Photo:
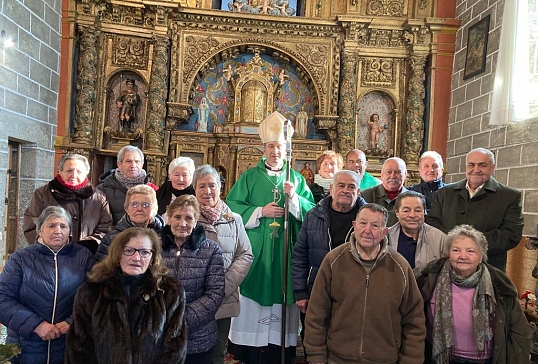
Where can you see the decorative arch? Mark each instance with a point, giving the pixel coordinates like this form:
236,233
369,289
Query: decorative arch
229,50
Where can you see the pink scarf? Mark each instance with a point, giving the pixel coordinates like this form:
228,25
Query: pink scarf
212,214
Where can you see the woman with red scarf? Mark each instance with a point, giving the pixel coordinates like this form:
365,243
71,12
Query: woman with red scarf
72,190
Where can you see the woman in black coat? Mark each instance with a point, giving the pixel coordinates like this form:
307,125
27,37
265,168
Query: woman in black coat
129,311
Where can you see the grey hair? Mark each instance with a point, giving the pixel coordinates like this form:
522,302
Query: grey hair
142,190
53,211
376,208
184,162
467,231
202,171
356,177
400,161
432,154
76,157
483,151
130,148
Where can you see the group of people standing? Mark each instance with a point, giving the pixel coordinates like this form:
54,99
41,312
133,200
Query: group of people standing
130,273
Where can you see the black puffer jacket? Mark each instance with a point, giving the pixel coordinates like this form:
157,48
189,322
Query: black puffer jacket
313,243
199,266
37,285
125,223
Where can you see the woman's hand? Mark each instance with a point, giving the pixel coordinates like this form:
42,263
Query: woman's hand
63,327
47,331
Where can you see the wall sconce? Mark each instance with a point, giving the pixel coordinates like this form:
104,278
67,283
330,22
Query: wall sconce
6,42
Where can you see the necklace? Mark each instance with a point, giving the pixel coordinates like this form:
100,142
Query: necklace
276,192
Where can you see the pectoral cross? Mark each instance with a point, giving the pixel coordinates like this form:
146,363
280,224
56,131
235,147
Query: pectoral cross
275,194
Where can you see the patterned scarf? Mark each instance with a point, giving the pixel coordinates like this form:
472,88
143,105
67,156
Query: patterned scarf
212,214
483,311
129,182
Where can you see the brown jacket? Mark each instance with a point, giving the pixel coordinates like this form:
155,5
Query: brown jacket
91,216
359,317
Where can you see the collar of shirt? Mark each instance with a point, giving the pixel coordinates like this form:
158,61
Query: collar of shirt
471,193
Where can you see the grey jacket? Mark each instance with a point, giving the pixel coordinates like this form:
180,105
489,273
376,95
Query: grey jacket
430,244
229,232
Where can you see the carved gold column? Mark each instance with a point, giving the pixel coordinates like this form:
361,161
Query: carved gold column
158,87
85,86
346,108
415,109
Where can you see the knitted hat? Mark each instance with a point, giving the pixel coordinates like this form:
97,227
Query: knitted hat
271,129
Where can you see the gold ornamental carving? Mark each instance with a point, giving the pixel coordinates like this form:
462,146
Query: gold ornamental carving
415,109
196,51
130,52
158,89
385,7
383,38
85,86
378,72
316,57
346,111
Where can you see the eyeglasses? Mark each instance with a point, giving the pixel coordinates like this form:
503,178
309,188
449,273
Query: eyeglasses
136,205
144,253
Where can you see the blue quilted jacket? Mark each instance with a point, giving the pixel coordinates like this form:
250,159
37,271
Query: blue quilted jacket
38,285
199,266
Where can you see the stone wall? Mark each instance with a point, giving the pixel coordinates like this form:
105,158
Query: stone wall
514,145
29,78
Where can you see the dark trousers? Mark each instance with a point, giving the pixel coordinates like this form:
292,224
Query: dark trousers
261,355
223,326
199,358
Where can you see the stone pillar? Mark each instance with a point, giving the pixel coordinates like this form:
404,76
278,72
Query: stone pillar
415,110
346,108
85,86
155,122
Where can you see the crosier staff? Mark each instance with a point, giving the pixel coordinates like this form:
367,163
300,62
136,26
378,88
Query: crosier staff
288,132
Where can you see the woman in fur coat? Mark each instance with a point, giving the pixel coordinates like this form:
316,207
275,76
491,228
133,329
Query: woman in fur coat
129,311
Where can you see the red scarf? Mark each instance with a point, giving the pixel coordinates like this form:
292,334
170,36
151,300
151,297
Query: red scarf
72,187
212,214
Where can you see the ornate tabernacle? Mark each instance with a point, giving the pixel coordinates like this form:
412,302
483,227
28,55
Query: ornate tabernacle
179,78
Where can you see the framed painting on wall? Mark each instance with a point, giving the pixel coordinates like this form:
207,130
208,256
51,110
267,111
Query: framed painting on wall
477,44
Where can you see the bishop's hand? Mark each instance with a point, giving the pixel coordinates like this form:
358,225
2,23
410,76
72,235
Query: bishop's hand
289,189
273,210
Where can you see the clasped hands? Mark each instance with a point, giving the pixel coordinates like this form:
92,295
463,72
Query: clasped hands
48,331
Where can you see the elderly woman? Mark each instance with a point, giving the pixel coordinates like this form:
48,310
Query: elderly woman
37,289
179,182
226,228
129,310
140,210
328,163
72,190
472,309
197,263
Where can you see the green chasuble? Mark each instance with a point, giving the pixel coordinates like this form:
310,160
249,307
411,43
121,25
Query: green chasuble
253,189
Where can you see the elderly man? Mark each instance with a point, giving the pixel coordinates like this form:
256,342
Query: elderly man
324,228
356,161
129,173
430,168
365,306
418,242
479,200
393,176
259,196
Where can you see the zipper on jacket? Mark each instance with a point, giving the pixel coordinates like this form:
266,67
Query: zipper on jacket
55,297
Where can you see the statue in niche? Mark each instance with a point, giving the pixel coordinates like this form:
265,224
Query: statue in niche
301,123
375,129
203,115
282,77
127,104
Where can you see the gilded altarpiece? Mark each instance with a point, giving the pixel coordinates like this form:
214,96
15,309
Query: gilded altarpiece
189,75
